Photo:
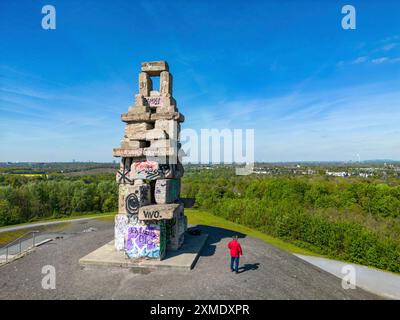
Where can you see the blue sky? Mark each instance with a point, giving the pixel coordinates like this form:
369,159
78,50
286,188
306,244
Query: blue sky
311,90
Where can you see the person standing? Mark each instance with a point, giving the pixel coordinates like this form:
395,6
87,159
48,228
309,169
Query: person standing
236,252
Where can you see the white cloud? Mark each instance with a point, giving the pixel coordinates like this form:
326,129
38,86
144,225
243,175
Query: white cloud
360,60
389,46
380,60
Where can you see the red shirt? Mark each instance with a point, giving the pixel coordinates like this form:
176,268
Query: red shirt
236,249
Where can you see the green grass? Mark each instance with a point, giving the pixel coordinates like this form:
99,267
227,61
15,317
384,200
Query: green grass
107,218
8,236
196,216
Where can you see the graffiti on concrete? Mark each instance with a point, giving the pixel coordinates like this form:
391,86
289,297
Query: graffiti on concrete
170,227
123,173
132,197
121,221
132,204
143,241
166,190
151,170
154,101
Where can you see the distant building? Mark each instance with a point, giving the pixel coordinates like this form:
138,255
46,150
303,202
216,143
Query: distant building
337,174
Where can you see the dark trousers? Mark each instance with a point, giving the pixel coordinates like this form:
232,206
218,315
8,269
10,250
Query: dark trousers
236,262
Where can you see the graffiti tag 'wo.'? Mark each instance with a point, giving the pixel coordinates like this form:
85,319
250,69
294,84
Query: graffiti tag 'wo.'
155,214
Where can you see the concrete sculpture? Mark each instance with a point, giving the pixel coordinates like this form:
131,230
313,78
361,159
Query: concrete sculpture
150,217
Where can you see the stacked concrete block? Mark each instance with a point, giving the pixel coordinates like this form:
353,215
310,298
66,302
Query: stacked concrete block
166,190
160,212
175,230
150,219
132,197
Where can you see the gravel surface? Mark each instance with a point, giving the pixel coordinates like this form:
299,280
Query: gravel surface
267,272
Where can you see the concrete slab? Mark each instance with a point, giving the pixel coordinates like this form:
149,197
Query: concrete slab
380,282
183,259
10,257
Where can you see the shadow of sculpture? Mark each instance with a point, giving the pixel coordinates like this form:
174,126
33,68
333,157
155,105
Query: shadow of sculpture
215,235
248,267
188,202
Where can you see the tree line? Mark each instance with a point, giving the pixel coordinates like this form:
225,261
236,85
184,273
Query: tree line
25,199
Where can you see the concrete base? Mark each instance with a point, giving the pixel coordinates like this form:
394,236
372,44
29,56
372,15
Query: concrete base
183,259
10,258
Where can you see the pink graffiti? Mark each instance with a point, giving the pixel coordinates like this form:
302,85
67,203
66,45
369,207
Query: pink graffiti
146,166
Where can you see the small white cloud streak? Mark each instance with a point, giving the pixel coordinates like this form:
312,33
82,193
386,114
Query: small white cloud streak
380,60
389,46
360,60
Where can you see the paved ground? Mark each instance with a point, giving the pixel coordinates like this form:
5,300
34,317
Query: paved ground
268,273
383,283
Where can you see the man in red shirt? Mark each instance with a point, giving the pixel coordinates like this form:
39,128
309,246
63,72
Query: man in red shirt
236,252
